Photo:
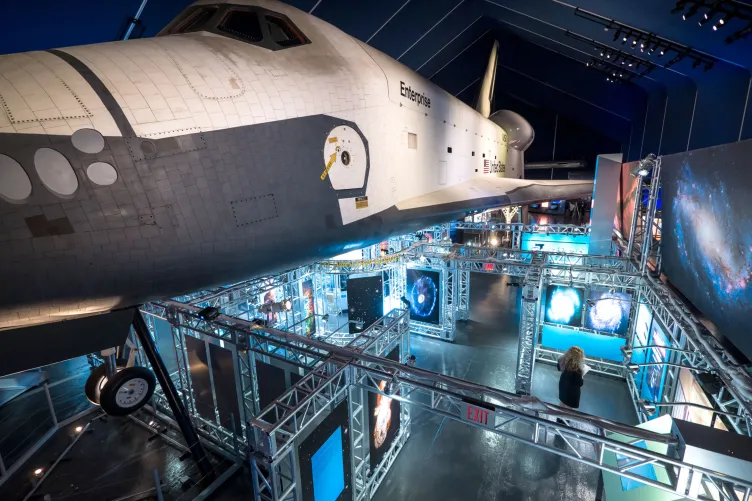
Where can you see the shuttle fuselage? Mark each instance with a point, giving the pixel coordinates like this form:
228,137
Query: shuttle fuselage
221,150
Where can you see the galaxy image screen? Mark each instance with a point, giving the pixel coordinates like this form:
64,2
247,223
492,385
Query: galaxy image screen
384,419
564,305
308,306
424,294
609,312
324,458
707,234
365,301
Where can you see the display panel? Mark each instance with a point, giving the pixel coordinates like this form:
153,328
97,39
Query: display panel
424,293
609,312
647,470
625,201
690,391
271,382
384,419
706,244
652,382
198,371
225,389
308,306
564,305
642,325
365,301
272,296
324,458
594,345
555,242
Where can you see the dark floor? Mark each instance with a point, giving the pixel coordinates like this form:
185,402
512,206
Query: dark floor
114,458
448,460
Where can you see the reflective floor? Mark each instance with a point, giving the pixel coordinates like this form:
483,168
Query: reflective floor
445,459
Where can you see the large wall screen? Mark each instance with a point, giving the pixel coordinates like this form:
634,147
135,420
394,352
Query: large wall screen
365,301
564,305
707,234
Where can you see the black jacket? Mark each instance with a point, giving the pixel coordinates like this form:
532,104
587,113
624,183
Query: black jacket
569,387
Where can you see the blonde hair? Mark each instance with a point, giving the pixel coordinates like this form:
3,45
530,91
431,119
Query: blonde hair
573,359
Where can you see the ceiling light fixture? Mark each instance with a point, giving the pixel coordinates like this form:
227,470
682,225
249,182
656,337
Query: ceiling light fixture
691,12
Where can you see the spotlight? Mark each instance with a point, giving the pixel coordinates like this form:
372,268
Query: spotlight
634,42
590,303
630,65
209,313
392,386
617,34
679,6
624,40
494,242
79,429
280,307
325,318
359,324
608,55
633,368
38,472
662,52
626,352
696,63
601,53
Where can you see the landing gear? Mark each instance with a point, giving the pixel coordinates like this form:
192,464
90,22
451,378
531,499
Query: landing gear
127,391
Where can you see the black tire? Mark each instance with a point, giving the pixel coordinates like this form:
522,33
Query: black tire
93,384
115,397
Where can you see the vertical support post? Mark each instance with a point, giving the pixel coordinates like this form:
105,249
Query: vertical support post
176,405
49,403
529,324
647,242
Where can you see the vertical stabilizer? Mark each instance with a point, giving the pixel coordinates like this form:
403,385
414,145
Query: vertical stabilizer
486,92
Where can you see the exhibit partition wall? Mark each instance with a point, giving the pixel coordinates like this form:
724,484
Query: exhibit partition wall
707,232
365,301
625,199
607,175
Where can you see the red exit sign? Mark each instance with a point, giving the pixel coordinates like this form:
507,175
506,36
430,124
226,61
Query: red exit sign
478,414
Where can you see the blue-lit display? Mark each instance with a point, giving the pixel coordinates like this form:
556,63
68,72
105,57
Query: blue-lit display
423,293
707,234
555,242
609,312
328,469
594,345
564,305
654,375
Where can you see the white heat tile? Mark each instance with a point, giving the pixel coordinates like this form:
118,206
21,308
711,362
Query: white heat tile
195,104
168,90
135,101
163,115
143,116
218,119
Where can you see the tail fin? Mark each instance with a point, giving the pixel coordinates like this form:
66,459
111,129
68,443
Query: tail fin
486,92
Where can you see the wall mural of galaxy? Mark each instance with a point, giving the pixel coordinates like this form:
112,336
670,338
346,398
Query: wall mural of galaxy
424,294
609,312
564,305
707,234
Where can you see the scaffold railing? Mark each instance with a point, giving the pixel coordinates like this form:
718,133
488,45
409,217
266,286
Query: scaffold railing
597,365
563,229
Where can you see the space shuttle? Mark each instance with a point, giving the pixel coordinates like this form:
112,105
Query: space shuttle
245,138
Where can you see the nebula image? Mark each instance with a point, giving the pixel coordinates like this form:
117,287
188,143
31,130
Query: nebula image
307,299
563,305
383,417
707,236
423,294
609,312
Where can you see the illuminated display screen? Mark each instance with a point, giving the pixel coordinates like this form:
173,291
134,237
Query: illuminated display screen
328,469
609,312
324,458
424,294
307,303
564,305
555,242
365,301
707,234
384,416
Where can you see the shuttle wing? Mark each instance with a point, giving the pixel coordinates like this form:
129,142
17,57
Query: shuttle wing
492,191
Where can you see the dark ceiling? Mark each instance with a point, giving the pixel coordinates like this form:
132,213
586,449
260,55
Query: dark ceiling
545,46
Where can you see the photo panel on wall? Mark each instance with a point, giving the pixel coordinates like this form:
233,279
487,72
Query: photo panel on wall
384,419
609,312
365,301
324,459
308,306
424,293
564,305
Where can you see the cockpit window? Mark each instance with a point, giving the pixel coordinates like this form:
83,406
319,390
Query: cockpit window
243,24
196,18
283,32
250,24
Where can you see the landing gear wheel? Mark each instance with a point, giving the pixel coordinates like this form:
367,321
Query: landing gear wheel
127,391
96,380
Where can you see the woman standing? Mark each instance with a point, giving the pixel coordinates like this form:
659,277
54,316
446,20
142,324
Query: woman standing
572,367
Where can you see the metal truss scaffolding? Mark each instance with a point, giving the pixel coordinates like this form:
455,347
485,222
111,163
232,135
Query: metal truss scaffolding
531,287
352,370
